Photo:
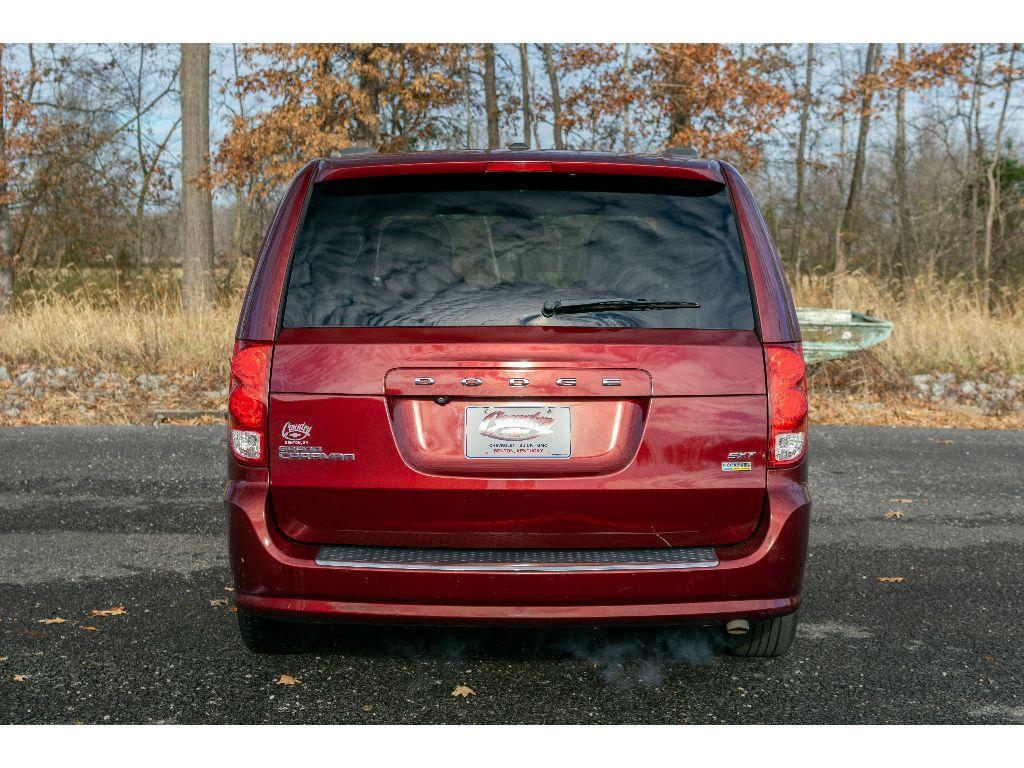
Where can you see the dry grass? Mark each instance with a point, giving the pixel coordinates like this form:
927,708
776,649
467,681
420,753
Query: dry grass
130,337
938,327
129,330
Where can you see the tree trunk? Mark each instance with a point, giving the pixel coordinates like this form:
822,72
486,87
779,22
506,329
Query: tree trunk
6,231
976,157
796,240
556,97
196,201
524,71
627,74
367,128
491,97
905,235
993,185
844,237
467,87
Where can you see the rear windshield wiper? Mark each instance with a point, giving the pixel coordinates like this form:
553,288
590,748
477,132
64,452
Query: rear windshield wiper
552,308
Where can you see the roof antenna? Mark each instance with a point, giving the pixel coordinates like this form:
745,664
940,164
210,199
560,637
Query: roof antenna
518,146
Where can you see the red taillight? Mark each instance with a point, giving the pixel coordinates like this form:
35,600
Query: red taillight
787,404
247,402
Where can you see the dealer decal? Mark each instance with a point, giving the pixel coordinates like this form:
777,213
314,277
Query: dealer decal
736,466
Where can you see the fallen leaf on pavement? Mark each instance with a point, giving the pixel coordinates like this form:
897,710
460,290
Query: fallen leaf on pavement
233,609
218,602
229,589
367,707
892,514
892,579
288,680
55,620
88,629
115,611
34,633
463,691
3,659
946,442
20,678
902,501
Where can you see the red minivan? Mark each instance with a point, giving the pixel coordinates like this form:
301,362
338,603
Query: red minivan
518,387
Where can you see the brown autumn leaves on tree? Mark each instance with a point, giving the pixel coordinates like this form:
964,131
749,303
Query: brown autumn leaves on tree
394,97
327,97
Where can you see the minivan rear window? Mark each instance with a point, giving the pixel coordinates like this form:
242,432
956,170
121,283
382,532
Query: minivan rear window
470,250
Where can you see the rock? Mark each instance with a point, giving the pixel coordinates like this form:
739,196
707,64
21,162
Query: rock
968,389
26,378
923,383
4,375
12,413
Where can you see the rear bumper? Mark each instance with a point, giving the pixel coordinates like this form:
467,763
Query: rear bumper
760,577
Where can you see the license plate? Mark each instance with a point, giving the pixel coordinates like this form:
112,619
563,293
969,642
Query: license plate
518,432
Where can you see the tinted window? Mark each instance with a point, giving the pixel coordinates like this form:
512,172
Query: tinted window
490,250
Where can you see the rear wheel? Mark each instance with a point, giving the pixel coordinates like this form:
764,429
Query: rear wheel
767,637
263,635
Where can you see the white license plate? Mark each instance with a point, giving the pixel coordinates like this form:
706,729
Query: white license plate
518,432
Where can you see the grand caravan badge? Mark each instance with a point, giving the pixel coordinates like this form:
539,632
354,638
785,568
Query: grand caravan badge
312,452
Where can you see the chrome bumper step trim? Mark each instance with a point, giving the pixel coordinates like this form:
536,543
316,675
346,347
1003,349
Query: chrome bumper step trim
517,560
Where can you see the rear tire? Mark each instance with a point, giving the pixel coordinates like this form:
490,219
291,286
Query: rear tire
272,636
767,637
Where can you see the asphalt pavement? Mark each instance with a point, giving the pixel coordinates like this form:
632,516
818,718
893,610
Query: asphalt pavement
111,518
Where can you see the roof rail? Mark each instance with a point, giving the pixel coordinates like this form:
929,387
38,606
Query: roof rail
358,149
680,152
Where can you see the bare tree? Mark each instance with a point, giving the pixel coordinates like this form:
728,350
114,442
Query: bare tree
467,92
196,201
904,234
6,233
993,185
796,244
491,97
556,96
149,147
845,235
12,112
524,76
